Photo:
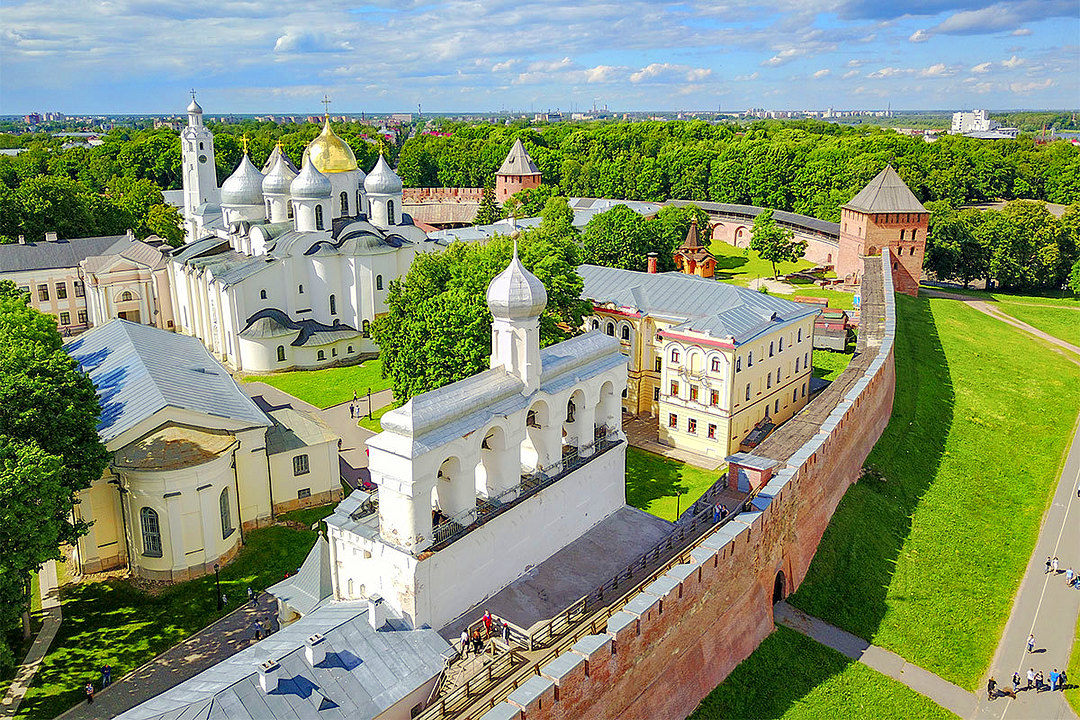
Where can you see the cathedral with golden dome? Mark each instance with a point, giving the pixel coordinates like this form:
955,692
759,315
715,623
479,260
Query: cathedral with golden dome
287,268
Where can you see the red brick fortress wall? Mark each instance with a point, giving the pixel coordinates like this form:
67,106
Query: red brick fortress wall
677,639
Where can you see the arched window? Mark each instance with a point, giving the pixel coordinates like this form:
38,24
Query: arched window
390,212
800,334
333,305
366,328
674,355
262,294
359,204
322,355
378,282
747,391
715,367
318,217
796,366
781,347
901,236
350,350
126,296
795,395
768,380
300,290
267,208
595,324
626,332
344,203
226,516
151,532
738,364
771,349
611,329
289,205
776,407
571,411
750,359
281,353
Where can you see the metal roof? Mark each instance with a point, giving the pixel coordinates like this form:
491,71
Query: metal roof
19,257
137,252
295,429
271,322
752,211
703,305
518,162
305,590
886,193
365,673
139,370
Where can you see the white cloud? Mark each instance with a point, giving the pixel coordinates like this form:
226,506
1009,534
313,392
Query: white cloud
504,65
695,74
982,68
601,73
919,36
1020,32
668,72
1013,62
1024,88
824,72
784,56
747,78
854,63
887,72
937,70
850,74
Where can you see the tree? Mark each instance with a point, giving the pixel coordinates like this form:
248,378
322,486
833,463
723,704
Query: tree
774,243
49,447
437,328
165,222
617,238
488,212
952,250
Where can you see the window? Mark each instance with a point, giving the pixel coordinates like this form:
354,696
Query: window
716,364
800,334
365,328
658,363
268,209
781,346
776,409
806,359
738,364
226,516
300,290
262,294
712,432
344,203
322,355
747,391
714,397
656,393
378,282
571,411
804,389
318,217
626,332
390,213
694,392
672,420
333,305
674,356
350,350
610,329
359,205
674,388
595,324
290,206
303,493
691,426
901,236
82,317
65,318
151,532
750,359
126,296
61,291
796,366
42,293
300,465
912,247
25,289
281,353
333,352
795,395
770,349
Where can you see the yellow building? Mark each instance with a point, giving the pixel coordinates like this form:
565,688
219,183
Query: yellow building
709,361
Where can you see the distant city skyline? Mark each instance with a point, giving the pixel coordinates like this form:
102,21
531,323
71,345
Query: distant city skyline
131,56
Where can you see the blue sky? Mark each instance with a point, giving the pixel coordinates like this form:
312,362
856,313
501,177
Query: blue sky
248,56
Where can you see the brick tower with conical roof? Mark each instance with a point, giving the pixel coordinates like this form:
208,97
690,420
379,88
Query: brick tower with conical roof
518,172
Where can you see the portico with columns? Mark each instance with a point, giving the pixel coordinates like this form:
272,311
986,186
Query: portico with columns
488,476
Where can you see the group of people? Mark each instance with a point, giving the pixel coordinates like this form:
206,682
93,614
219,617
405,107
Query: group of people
1071,579
719,512
262,627
106,680
1035,680
475,640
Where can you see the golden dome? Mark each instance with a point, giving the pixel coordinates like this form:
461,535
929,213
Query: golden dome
329,153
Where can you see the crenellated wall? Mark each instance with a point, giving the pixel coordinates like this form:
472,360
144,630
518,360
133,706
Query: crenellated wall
677,639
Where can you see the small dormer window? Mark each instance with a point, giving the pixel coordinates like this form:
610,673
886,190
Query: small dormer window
262,294
300,290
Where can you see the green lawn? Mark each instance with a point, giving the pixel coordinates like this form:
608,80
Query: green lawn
310,515
926,560
1073,671
828,364
330,386
376,417
652,481
792,677
1061,322
114,622
739,266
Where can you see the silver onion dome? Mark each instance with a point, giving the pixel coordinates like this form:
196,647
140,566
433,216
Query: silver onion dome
516,293
244,186
310,183
382,180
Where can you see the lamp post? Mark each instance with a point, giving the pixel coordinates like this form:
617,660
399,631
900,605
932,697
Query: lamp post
678,500
217,583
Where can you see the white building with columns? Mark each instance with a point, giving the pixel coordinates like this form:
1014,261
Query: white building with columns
288,270
484,478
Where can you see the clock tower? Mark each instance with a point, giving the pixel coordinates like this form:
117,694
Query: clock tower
200,170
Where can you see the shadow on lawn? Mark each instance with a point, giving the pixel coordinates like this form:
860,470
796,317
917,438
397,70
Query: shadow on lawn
650,478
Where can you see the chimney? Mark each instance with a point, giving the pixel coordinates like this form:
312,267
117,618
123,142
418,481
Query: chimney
376,611
315,649
268,676
652,263
50,237
22,239
130,234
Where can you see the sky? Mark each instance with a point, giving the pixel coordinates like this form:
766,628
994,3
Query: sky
248,56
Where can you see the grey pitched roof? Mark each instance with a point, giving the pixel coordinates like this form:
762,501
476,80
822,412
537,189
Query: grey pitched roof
518,162
139,370
305,590
295,429
137,252
701,304
18,257
752,211
271,322
365,673
886,193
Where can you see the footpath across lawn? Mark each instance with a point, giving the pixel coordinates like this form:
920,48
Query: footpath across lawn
329,386
652,482
925,556
117,623
792,677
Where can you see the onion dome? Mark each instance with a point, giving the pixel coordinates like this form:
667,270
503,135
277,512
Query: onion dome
516,293
382,180
194,107
310,183
244,186
329,153
279,179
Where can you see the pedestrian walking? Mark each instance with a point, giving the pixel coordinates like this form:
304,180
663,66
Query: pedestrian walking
1030,677
477,642
251,595
1016,683
990,685
1055,677
506,633
224,600
106,676
89,693
1069,577
464,643
716,513
1063,680
1039,680
258,630
1054,564
1031,643
352,411
487,622
1047,565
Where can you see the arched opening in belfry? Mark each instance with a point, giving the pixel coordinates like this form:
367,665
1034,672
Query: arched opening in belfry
608,413
498,469
454,493
536,448
779,588
575,434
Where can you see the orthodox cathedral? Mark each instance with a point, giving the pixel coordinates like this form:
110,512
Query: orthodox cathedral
283,268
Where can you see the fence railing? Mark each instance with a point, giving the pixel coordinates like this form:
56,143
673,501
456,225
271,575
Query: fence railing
503,663
452,528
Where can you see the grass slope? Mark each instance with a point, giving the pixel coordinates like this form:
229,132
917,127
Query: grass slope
1061,322
739,266
652,481
927,560
792,677
828,364
1073,672
329,386
116,623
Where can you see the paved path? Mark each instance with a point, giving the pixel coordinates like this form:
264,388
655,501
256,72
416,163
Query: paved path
50,606
209,646
944,693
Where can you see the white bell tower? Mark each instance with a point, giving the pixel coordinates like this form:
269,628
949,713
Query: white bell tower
199,168
516,299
